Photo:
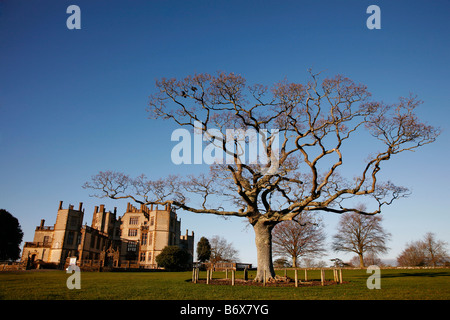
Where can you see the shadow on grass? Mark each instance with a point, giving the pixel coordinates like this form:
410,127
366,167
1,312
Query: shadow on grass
416,274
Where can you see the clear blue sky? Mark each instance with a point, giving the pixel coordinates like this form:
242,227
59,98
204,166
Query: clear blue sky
72,102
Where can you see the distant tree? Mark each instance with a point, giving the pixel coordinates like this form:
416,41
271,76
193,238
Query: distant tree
337,262
412,255
369,260
203,250
360,234
281,263
302,237
435,250
426,252
172,258
221,250
10,236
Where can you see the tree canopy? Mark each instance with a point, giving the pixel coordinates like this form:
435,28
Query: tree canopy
10,236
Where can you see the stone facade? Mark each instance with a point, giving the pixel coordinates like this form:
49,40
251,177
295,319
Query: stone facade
136,238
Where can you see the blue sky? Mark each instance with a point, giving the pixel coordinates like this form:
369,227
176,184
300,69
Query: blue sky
72,102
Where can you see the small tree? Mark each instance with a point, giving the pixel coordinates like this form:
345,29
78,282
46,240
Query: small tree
361,234
221,250
435,250
172,258
302,237
281,263
10,236
203,250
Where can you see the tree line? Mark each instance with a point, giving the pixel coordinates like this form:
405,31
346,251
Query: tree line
304,238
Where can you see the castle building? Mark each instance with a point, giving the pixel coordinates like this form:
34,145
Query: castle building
135,238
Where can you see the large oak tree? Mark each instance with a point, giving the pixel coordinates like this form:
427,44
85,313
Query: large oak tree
315,121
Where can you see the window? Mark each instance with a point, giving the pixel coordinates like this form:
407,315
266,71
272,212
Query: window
132,232
142,257
132,246
149,256
134,220
152,221
70,238
46,239
144,239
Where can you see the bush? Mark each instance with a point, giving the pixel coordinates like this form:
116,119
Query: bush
172,258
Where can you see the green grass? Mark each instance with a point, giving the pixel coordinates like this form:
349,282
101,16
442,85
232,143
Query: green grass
396,284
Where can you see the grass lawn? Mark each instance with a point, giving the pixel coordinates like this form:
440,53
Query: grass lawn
396,284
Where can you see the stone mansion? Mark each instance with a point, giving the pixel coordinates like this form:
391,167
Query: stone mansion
135,238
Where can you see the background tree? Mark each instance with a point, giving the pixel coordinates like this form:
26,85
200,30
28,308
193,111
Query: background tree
281,263
203,250
316,122
360,234
222,251
427,252
369,260
435,250
303,236
173,258
412,255
10,236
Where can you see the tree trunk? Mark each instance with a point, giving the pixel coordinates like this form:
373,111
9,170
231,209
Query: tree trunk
361,261
263,239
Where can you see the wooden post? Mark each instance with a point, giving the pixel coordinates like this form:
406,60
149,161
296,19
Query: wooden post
296,277
232,277
245,274
322,276
335,275
210,274
226,273
306,275
207,276
340,275
193,275
285,272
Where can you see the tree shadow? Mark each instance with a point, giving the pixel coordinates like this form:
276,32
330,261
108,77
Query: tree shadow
416,274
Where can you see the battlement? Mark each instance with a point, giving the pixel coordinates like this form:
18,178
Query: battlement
145,209
80,206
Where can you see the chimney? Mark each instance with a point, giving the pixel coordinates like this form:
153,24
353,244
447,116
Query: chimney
102,208
42,223
96,209
115,210
60,205
80,207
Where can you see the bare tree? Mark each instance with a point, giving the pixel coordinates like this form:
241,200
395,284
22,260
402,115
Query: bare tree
360,234
301,237
426,252
412,255
222,250
435,250
315,121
